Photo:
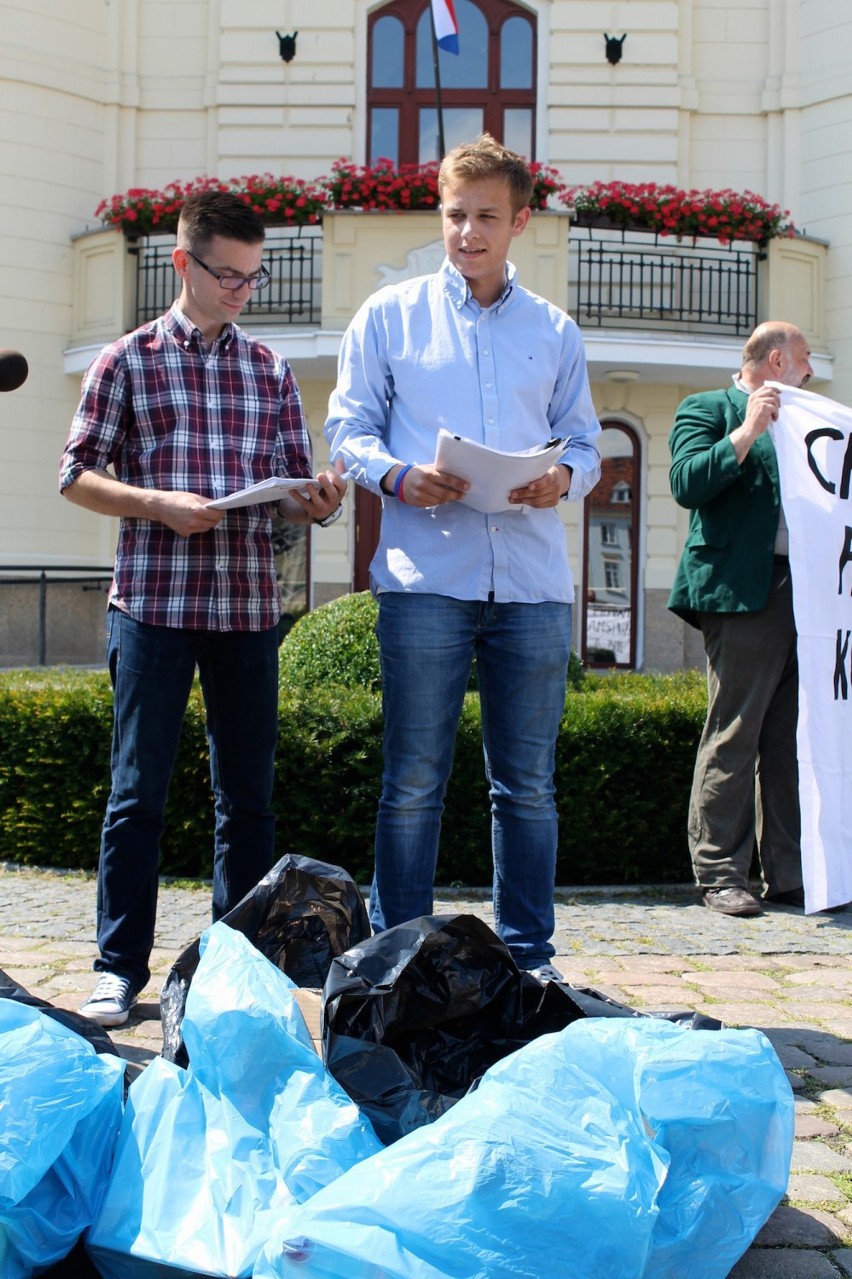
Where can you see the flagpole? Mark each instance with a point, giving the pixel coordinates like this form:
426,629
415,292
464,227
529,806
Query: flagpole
441,145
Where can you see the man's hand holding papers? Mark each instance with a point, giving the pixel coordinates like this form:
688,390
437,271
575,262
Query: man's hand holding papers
501,481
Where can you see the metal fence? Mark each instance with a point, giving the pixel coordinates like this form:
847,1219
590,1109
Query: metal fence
617,279
54,613
623,279
37,621
293,258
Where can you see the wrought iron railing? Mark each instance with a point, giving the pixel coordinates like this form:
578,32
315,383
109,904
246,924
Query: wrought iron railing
633,279
293,258
291,546
617,279
40,576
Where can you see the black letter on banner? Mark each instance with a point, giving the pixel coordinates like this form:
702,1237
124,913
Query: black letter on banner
840,681
847,467
845,558
831,433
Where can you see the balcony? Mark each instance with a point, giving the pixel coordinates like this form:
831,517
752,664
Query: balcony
636,280
668,309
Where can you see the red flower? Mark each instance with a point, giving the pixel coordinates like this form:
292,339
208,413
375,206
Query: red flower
726,215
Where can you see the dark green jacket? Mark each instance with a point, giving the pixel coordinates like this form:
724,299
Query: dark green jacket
726,566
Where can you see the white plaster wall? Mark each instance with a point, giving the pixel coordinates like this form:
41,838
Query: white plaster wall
51,161
613,122
297,117
826,163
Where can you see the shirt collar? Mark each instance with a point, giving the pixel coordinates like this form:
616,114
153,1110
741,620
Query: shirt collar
188,335
458,290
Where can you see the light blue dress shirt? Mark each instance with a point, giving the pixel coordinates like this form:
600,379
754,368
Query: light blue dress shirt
422,355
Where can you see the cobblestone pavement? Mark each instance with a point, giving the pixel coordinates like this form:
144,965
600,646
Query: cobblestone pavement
654,948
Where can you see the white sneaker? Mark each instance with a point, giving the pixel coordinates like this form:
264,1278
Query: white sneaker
111,1001
545,973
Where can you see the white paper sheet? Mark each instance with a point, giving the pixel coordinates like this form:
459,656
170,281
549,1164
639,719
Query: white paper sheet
271,490
491,473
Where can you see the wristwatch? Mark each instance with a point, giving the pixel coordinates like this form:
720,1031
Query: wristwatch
330,519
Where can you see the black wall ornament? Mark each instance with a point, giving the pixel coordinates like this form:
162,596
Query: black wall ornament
287,46
613,47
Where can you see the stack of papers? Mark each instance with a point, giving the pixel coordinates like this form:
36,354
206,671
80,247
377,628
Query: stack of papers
271,490
491,473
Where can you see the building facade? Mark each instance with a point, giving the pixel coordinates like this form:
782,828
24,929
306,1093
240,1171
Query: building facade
106,95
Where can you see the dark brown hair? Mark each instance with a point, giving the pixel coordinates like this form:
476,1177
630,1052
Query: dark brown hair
206,214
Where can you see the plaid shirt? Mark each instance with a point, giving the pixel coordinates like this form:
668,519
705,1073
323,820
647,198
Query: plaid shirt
166,412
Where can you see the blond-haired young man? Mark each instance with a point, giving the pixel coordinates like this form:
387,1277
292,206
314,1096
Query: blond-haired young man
469,349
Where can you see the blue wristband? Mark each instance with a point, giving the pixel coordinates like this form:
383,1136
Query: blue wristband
398,482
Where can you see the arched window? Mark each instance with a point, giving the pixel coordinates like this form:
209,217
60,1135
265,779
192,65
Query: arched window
489,86
610,570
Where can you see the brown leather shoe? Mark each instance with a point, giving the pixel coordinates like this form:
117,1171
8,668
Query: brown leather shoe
731,901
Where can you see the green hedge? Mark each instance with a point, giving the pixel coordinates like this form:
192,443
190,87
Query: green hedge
625,760
337,644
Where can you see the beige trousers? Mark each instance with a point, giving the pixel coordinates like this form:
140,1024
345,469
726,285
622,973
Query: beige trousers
745,784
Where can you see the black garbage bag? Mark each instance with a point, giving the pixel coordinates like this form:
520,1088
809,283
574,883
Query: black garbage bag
414,1017
77,1265
300,916
83,1026
596,1004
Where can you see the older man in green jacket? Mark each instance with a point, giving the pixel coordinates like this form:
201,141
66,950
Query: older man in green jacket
733,582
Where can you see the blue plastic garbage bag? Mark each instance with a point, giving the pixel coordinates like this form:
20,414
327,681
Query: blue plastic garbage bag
300,915
60,1112
209,1156
615,1149
83,1026
722,1108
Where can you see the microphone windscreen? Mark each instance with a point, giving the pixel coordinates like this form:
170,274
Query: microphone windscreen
13,370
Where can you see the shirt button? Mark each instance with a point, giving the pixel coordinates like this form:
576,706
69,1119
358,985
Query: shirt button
495,528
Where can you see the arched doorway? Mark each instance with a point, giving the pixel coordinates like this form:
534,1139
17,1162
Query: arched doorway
610,561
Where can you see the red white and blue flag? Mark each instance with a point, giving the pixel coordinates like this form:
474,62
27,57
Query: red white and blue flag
446,25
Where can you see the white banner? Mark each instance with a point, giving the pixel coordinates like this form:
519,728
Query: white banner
813,440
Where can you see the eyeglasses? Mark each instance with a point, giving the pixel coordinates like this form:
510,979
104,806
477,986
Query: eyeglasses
234,282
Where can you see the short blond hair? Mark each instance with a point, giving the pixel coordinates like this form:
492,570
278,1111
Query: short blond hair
488,158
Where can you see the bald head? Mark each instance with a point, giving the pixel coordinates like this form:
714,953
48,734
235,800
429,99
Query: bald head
776,352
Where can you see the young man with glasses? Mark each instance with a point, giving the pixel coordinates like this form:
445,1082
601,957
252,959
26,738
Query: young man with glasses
184,410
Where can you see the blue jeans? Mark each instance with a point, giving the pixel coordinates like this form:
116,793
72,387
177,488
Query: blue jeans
427,643
152,669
